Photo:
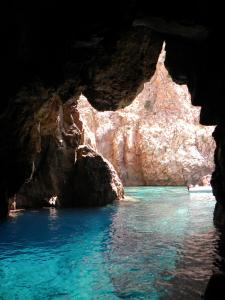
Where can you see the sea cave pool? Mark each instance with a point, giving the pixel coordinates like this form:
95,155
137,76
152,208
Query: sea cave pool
160,243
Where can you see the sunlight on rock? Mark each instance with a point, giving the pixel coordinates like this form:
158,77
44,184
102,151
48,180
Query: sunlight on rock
157,140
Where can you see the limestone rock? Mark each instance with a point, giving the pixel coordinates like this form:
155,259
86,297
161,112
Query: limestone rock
60,167
157,140
55,132
94,181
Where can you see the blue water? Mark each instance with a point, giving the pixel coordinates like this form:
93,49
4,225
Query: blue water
161,244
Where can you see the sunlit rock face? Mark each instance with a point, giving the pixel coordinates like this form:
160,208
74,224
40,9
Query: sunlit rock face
94,181
157,140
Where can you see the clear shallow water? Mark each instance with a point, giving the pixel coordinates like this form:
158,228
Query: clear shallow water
162,245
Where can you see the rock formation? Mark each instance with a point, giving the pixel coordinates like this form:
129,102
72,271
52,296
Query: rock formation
94,182
53,135
218,175
157,140
60,166
51,48
106,50
47,51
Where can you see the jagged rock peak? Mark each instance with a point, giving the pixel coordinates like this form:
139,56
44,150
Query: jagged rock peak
157,140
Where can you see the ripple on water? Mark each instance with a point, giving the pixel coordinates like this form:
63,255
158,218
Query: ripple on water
160,245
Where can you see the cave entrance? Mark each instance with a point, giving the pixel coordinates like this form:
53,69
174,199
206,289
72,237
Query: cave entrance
156,140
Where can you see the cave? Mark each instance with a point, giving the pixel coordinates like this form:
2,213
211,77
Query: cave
108,58
157,139
51,53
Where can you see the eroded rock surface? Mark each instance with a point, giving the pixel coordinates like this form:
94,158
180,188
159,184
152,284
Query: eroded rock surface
55,132
117,78
60,166
157,140
94,181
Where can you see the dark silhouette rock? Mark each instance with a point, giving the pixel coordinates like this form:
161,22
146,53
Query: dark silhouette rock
94,181
55,133
218,176
49,50
215,289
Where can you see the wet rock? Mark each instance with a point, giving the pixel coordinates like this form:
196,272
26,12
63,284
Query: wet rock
94,181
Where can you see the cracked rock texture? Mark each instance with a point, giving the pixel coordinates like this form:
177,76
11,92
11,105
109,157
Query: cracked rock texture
157,140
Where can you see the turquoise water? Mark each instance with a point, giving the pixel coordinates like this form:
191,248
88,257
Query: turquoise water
161,244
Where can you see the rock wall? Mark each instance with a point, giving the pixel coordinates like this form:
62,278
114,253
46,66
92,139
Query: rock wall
93,182
53,134
157,140
218,176
76,175
49,48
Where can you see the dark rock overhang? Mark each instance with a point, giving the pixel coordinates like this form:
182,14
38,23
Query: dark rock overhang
106,50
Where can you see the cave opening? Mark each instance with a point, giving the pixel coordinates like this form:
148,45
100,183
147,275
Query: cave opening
49,57
157,139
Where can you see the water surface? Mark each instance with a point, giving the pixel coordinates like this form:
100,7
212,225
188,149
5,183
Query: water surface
162,245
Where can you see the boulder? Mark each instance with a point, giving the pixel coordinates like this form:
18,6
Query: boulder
94,181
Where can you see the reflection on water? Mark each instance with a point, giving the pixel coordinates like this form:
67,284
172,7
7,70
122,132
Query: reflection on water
170,239
201,196
162,246
53,213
